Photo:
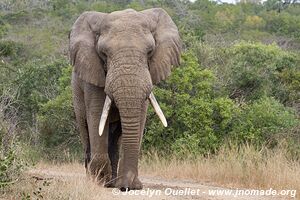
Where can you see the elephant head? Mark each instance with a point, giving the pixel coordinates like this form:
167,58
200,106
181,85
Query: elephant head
126,52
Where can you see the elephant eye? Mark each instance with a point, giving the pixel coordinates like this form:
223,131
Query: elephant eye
97,36
150,53
103,57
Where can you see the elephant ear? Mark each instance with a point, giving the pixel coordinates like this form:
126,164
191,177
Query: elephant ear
83,55
167,44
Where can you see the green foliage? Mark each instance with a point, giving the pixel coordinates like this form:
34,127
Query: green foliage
254,22
10,49
290,89
283,23
55,118
36,84
136,5
255,70
103,6
20,16
272,4
291,140
224,112
228,18
62,8
57,121
195,117
200,121
11,163
3,27
259,122
10,168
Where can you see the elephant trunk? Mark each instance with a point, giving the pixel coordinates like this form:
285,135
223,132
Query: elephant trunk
130,97
128,85
131,114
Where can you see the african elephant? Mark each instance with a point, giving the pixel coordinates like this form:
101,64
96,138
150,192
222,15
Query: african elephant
116,58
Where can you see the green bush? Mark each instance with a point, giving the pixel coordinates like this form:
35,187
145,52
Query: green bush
197,120
289,90
255,68
37,83
10,167
290,140
20,16
57,121
103,6
3,27
62,8
259,122
11,162
283,23
200,121
10,49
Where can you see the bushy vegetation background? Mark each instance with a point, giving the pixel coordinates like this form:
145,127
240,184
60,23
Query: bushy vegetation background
239,82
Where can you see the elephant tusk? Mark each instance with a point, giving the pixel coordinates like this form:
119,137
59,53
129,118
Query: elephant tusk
104,115
158,109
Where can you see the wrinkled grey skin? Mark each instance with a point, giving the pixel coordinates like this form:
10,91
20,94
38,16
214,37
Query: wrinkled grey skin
121,54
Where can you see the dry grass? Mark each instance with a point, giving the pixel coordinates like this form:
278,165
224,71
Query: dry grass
43,187
52,181
244,168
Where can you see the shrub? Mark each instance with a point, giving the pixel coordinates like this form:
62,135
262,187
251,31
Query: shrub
3,27
289,90
57,121
255,68
200,120
259,122
20,16
37,83
10,167
197,120
254,22
62,8
282,23
11,163
10,49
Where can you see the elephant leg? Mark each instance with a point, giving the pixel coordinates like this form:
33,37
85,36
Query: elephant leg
115,131
99,166
80,114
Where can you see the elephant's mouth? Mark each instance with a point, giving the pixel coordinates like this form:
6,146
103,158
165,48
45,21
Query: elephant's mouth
107,105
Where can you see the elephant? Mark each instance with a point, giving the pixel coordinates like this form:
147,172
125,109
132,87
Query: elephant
117,58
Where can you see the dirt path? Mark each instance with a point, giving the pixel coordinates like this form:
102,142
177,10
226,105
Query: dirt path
154,188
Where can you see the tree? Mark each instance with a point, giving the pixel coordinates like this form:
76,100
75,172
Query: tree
279,5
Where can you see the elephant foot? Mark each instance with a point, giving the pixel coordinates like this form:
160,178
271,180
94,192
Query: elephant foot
125,184
99,169
137,184
111,183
